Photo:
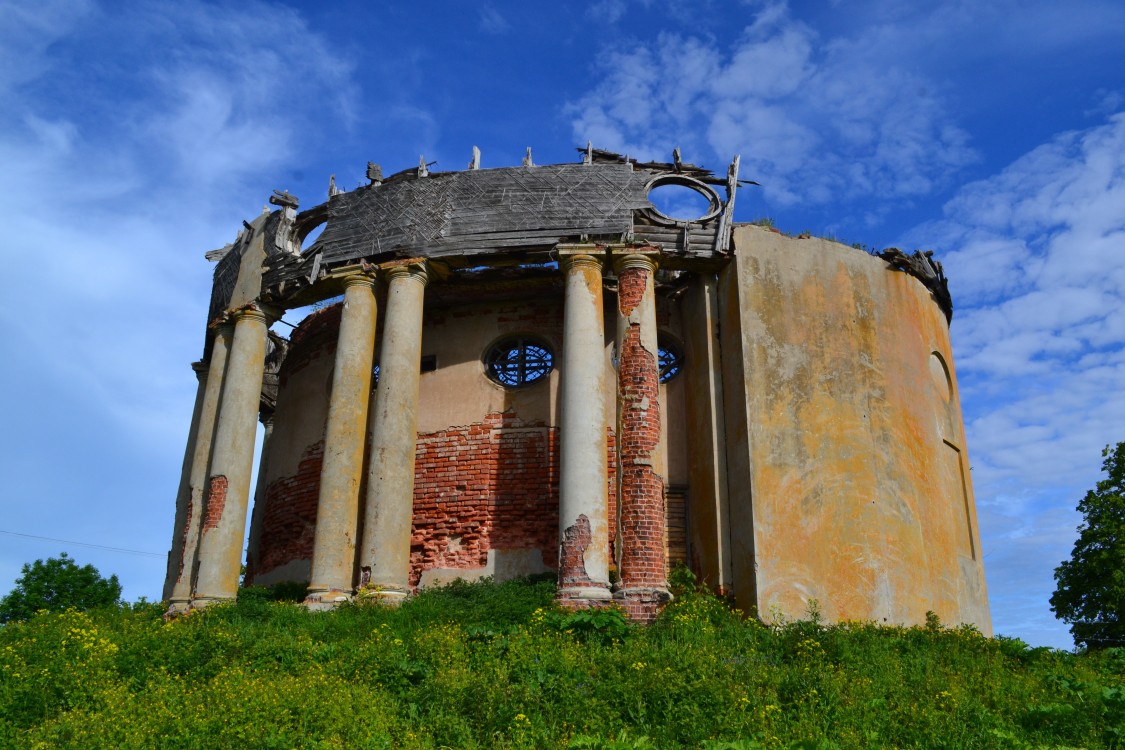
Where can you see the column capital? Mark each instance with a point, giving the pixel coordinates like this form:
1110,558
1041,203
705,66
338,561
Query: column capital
257,311
411,269
362,272
221,323
579,259
636,258
359,278
200,368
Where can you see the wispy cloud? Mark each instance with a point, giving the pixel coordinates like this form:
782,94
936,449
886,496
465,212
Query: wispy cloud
492,21
607,11
29,29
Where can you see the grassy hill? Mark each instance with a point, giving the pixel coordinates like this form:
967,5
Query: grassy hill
494,666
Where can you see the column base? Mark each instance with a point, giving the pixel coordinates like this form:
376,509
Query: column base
388,595
326,600
642,605
203,602
177,608
583,597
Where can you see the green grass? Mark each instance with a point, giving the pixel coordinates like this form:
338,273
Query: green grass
493,665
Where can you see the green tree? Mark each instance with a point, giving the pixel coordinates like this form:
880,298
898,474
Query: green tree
1091,585
55,585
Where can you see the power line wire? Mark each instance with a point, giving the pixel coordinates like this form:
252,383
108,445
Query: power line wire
84,544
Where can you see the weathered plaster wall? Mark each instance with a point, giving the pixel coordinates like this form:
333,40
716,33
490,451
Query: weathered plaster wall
846,461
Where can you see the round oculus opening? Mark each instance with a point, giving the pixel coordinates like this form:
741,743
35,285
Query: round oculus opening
679,198
312,235
516,361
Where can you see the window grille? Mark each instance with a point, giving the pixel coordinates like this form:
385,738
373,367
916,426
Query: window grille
518,361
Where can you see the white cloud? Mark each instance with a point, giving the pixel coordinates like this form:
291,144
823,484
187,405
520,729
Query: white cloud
814,119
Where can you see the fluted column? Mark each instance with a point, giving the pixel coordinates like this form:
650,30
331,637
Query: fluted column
228,481
584,471
643,585
389,515
185,543
337,510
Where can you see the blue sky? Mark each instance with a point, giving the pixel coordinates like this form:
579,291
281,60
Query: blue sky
135,137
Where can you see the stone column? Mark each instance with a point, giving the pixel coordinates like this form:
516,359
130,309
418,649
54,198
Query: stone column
183,493
228,481
643,586
337,511
389,515
584,471
181,570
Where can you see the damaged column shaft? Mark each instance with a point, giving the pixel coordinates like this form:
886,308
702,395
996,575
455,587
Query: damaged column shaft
388,519
584,471
643,585
178,589
183,493
228,490
342,471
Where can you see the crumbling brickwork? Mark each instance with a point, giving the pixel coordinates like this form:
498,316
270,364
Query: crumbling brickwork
216,501
643,561
484,486
289,516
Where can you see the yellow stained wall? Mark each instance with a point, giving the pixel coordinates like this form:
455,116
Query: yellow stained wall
847,470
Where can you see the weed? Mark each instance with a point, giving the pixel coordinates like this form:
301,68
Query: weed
482,665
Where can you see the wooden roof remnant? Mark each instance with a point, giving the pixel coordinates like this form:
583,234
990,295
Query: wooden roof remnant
479,216
922,266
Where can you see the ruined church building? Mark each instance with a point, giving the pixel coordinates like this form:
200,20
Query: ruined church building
535,369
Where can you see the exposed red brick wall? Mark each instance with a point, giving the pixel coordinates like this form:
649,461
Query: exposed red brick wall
216,501
643,562
488,485
289,516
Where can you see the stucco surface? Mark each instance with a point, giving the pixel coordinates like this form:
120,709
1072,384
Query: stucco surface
846,454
